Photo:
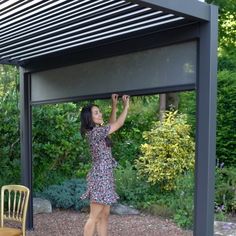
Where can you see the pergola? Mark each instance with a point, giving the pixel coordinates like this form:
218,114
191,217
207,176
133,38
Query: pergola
83,49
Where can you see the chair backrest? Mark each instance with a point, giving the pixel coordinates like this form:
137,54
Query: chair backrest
14,204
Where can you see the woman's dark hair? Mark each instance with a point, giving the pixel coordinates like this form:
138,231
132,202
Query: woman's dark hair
87,122
86,119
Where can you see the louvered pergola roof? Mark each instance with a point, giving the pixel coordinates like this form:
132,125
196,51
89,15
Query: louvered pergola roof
35,30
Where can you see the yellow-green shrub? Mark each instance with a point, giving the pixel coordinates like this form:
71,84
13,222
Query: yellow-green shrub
167,152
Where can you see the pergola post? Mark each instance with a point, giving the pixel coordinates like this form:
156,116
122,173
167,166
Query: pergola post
206,127
26,140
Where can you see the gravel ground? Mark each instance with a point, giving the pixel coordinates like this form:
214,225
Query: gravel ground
71,223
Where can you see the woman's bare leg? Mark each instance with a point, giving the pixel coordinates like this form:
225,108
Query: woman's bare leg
95,212
102,225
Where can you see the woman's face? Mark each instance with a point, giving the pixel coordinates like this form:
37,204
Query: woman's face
97,116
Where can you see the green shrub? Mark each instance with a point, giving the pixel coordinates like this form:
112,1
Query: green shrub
83,170
176,204
58,148
67,195
168,151
9,139
183,205
226,118
220,216
225,189
128,186
187,105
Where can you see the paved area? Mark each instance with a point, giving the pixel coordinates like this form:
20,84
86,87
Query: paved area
225,228
71,223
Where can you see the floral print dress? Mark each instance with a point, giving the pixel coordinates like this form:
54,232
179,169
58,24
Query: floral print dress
100,180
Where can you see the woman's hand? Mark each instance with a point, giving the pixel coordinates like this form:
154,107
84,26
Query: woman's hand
125,99
114,98
121,119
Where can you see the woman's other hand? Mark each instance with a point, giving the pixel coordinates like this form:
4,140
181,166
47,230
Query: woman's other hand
125,99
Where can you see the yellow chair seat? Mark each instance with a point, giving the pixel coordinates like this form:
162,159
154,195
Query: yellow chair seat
10,232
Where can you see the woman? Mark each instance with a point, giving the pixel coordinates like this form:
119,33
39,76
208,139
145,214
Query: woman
101,189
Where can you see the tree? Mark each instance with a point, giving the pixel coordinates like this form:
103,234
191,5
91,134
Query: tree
9,80
227,33
226,118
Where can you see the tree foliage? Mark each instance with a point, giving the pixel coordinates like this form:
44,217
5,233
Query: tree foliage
58,148
227,33
9,80
226,118
9,126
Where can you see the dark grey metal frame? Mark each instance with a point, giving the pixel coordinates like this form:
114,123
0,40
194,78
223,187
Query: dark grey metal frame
206,33
180,7
26,139
206,127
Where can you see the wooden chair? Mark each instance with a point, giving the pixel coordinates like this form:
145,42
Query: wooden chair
14,204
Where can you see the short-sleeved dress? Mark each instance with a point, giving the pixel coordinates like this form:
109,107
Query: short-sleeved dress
100,180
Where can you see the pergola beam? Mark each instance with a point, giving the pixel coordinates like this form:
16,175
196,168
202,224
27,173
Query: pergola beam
134,43
193,9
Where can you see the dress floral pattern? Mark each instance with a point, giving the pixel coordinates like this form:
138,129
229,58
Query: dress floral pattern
100,179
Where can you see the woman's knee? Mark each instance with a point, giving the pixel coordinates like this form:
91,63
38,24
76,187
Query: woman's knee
94,219
95,212
105,213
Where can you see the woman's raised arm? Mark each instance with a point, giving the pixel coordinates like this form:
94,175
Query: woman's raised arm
121,119
114,98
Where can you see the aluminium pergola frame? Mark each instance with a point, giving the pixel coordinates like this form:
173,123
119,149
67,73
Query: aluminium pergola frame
200,26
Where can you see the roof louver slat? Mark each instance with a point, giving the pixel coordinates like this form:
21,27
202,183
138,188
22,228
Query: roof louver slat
57,26
72,32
